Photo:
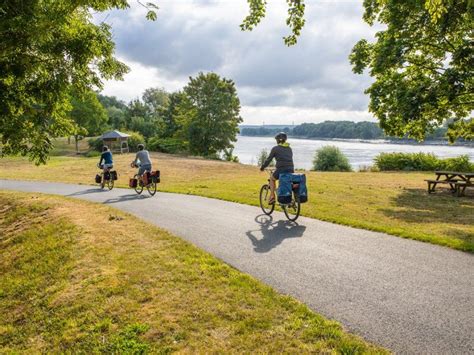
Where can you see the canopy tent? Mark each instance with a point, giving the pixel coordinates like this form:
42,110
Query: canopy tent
116,141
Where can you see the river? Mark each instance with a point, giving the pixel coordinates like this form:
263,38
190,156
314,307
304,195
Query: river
358,153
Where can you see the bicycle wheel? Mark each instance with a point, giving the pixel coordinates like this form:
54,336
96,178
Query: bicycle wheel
264,197
292,210
151,187
110,183
139,187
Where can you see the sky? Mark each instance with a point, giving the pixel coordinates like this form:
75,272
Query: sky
309,82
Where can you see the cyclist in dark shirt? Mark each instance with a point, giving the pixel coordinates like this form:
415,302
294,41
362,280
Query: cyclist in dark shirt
106,157
284,161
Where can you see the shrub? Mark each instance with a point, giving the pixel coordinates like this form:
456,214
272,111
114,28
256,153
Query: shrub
228,155
92,153
330,158
262,156
167,145
95,144
421,162
134,140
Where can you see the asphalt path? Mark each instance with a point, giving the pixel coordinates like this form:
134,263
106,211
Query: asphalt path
408,296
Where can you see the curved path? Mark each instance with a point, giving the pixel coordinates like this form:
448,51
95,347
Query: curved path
408,296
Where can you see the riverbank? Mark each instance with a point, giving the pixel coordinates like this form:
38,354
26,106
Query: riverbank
394,203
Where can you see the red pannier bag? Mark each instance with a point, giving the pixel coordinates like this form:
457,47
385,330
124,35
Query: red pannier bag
155,176
133,183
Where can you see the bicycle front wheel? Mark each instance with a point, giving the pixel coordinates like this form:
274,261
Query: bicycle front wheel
292,210
151,187
139,187
264,198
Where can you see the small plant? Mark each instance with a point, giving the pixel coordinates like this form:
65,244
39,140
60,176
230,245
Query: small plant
330,158
228,155
262,156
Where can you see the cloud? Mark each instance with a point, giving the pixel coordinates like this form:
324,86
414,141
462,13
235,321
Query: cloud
193,36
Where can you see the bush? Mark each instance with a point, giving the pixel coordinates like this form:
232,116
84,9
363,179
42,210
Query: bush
134,140
228,155
330,158
95,144
92,153
262,156
421,162
167,145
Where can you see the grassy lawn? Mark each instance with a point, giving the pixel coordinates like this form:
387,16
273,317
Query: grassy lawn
78,277
395,203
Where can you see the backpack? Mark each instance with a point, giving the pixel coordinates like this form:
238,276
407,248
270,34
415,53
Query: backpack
284,188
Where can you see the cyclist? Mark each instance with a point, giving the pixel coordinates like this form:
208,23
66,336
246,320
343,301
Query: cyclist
142,160
106,157
284,162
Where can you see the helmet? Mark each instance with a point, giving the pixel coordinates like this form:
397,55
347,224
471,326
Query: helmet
281,137
105,148
141,146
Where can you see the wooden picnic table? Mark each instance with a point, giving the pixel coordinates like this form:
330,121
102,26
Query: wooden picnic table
457,181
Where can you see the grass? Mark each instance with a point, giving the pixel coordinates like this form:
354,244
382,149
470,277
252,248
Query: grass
77,277
392,202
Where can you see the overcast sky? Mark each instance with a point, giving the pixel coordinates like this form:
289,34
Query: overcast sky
309,82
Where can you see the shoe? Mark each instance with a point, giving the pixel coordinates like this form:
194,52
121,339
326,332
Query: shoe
271,201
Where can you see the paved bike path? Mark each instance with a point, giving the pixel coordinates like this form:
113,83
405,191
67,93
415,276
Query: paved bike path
408,296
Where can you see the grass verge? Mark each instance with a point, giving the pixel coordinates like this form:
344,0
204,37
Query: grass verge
394,203
81,277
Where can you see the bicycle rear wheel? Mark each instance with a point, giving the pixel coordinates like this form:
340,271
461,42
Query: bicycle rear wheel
292,210
151,187
139,187
110,183
264,197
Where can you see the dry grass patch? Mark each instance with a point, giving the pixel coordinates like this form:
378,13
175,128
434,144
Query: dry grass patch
81,277
395,203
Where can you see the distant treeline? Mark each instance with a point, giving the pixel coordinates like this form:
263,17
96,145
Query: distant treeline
335,129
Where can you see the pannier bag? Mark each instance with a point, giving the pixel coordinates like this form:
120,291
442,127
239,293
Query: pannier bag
300,190
284,188
114,175
155,176
98,179
133,183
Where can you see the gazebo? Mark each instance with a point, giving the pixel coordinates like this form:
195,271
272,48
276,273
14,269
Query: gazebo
116,141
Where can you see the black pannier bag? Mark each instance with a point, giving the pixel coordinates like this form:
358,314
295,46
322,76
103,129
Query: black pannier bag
114,175
133,183
98,179
155,176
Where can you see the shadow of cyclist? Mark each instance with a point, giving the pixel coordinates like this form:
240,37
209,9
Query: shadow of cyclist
273,233
124,198
88,191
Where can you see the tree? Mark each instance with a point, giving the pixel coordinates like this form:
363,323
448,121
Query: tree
209,114
155,99
169,114
423,65
88,115
48,48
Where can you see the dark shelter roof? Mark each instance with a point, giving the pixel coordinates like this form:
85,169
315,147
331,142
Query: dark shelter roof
114,135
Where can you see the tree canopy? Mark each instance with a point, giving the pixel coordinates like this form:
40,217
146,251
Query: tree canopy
423,63
47,49
208,114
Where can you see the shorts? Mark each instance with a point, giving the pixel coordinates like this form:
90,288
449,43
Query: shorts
107,166
144,168
277,172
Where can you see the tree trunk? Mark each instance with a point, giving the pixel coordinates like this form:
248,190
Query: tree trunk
76,138
68,139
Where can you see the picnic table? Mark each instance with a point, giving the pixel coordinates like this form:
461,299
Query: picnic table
457,181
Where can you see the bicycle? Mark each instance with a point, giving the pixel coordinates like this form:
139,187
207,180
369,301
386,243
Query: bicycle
106,177
151,183
291,210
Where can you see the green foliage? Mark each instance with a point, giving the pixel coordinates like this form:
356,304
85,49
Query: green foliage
47,48
167,145
423,64
95,144
421,162
228,155
262,156
134,140
208,114
295,19
330,158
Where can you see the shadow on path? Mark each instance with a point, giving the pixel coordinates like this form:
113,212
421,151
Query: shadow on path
125,198
273,233
88,191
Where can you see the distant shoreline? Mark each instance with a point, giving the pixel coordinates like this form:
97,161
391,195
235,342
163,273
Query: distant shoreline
376,141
